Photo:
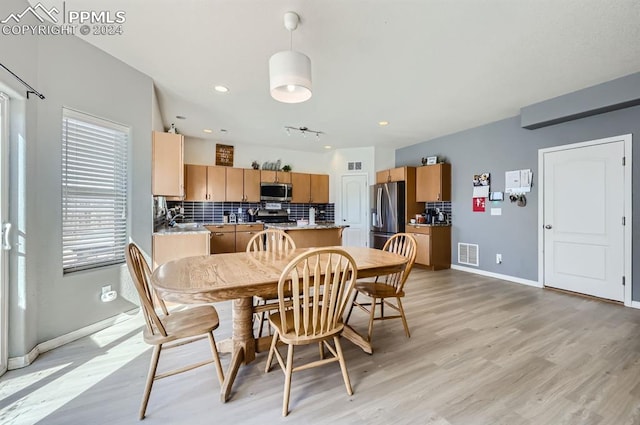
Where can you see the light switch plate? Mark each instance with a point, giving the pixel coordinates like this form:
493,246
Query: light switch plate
496,211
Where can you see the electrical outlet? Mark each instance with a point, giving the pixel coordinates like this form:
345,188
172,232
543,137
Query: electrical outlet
498,258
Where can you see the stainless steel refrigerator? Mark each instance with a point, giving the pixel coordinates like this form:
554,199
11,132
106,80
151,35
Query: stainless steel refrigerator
387,212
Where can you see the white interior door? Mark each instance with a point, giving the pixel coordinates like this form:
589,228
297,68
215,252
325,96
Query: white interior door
584,206
5,246
355,192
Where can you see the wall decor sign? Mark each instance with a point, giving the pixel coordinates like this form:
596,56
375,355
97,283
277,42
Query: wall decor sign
224,155
479,204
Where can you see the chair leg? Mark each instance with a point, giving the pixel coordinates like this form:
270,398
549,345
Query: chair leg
216,358
353,302
371,317
404,319
153,367
287,381
321,348
274,341
343,365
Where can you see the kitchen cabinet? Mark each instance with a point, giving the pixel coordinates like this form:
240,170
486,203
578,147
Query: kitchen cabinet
270,176
244,232
232,237
205,183
310,188
398,174
301,185
433,245
222,238
167,247
319,189
433,183
167,172
242,185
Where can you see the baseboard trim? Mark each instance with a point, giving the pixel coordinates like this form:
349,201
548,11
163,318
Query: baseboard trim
43,347
498,276
635,304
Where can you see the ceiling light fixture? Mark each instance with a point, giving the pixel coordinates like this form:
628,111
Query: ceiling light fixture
290,71
221,89
383,123
303,131
208,130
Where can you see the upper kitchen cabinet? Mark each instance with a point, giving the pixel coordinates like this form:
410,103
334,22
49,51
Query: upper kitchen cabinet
243,185
310,188
205,183
433,183
301,186
398,174
319,188
167,178
270,176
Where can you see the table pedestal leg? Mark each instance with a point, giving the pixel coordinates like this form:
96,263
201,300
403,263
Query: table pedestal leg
244,344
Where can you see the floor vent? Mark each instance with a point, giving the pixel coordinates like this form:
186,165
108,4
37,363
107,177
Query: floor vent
468,254
353,166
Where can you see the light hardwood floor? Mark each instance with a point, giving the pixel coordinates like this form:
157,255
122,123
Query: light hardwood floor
482,351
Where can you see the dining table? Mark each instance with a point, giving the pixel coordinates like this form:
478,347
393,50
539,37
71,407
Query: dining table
239,277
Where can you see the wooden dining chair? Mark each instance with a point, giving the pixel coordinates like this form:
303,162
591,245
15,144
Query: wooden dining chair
270,240
177,328
320,283
385,288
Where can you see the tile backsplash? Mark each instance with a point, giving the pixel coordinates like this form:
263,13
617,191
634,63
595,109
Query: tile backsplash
212,212
444,206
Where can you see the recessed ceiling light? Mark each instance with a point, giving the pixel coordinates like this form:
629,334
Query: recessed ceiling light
327,147
181,117
383,123
222,130
221,89
208,130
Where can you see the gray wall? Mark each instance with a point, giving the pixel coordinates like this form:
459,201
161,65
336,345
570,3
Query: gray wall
502,146
44,303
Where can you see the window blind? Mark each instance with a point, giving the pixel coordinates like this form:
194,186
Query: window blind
94,191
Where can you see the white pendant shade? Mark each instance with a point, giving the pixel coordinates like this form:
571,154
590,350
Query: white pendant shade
290,76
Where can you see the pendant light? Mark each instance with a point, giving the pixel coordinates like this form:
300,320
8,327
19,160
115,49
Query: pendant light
290,71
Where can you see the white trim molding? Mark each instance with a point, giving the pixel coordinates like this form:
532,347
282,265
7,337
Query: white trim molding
498,276
43,347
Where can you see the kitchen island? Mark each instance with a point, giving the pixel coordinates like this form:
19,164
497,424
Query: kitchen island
311,235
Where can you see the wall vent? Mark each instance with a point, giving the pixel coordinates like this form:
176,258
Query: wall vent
354,166
468,254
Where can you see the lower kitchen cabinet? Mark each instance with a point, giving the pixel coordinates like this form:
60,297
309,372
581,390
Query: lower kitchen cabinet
434,245
232,237
223,238
172,246
244,232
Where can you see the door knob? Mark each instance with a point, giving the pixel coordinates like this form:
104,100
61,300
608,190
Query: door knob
548,226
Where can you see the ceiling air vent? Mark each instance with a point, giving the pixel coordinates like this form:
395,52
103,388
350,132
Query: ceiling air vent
468,254
354,166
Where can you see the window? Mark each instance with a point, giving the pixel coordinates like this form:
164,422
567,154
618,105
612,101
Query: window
94,191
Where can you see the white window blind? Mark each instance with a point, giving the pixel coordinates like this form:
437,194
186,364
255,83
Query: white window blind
94,191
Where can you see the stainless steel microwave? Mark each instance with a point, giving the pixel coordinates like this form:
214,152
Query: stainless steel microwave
277,192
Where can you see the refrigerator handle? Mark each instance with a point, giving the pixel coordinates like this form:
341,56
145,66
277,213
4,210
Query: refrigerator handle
379,206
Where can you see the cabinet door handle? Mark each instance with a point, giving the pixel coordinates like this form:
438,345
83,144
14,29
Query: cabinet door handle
219,234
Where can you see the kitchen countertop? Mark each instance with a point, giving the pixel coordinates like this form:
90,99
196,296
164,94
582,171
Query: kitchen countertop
294,226
166,230
428,225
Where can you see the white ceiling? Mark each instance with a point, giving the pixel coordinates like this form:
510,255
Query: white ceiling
430,67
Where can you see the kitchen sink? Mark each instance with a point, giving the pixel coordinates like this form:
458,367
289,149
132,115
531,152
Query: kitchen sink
187,225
